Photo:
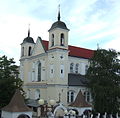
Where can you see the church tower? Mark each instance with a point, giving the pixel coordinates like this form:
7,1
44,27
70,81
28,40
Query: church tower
27,46
58,52
57,79
58,34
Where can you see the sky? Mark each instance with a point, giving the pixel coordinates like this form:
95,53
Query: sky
92,23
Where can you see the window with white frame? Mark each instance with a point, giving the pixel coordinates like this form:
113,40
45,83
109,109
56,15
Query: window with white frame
87,96
70,96
71,68
76,68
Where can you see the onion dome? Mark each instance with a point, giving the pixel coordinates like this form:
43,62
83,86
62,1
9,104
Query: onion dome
28,39
58,24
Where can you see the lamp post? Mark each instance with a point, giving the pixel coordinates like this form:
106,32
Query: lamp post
44,106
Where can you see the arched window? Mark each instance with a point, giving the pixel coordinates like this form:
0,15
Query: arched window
87,96
39,71
29,51
62,40
76,68
70,96
71,67
22,51
52,42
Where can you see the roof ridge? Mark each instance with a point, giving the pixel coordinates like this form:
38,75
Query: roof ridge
80,47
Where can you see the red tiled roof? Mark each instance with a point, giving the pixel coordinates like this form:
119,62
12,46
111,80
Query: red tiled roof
75,51
80,52
45,43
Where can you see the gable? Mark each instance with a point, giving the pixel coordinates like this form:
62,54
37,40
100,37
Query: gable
39,48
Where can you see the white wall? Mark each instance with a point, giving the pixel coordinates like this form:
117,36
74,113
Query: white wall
16,114
82,63
81,110
6,114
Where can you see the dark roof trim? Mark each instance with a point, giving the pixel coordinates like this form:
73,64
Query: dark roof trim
77,80
58,24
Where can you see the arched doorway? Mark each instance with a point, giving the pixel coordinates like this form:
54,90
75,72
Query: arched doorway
76,111
59,111
23,116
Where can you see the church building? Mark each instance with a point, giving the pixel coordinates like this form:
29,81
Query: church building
53,69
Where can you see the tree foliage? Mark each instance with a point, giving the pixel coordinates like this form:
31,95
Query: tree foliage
104,80
9,81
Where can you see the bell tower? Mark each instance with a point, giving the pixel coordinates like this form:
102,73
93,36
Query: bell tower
58,52
27,46
58,34
58,60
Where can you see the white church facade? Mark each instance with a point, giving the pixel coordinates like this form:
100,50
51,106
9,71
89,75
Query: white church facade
53,69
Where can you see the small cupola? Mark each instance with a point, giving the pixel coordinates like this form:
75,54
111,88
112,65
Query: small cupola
27,46
58,34
28,39
58,24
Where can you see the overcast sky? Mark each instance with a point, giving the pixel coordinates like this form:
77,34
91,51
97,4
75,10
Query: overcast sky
91,22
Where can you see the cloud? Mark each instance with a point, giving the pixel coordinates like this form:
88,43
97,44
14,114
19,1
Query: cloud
89,21
113,44
14,29
97,21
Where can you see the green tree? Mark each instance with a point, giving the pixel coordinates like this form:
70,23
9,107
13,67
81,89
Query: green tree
9,82
104,80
